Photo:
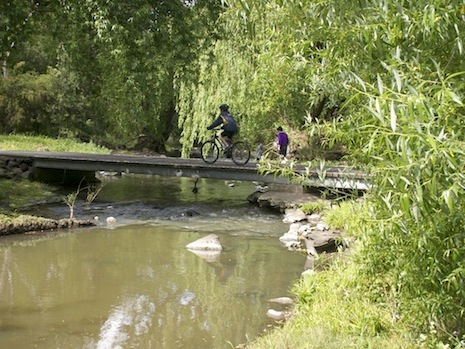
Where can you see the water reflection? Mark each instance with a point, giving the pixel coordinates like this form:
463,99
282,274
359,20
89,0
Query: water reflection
136,285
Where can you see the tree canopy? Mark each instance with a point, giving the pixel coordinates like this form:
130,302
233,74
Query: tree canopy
110,66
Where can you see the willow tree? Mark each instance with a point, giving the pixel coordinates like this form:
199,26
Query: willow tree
254,66
114,63
273,64
128,55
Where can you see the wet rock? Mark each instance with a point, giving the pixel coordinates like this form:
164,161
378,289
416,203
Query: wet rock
190,213
292,235
207,243
310,246
111,220
309,263
23,166
31,224
26,175
278,315
294,215
322,241
308,272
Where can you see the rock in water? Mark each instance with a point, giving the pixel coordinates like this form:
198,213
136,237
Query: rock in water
277,314
111,220
207,243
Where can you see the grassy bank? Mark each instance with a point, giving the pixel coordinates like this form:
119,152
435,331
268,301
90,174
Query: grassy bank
332,313
16,194
37,143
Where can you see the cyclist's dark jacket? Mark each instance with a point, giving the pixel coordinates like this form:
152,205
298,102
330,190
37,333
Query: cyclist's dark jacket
229,124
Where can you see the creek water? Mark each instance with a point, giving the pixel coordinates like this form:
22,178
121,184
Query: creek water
133,284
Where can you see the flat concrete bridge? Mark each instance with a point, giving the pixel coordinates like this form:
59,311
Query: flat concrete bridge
62,164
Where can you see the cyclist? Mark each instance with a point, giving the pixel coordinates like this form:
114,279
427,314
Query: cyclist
229,126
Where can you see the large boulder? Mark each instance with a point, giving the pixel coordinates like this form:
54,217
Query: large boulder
293,215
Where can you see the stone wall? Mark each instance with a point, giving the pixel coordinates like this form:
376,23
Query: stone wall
15,169
23,169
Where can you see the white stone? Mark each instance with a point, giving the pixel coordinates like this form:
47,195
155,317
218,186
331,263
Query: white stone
291,245
111,220
294,215
292,234
308,272
207,243
322,227
294,228
277,314
289,237
304,228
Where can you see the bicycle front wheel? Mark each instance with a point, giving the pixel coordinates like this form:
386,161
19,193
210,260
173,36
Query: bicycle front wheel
210,152
240,153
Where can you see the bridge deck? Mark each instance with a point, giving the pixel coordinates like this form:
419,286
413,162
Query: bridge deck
336,177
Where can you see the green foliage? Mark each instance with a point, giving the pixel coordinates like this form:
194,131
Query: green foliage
24,100
417,215
112,66
312,207
396,70
23,142
347,216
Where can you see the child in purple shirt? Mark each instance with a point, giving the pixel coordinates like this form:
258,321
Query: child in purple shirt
282,142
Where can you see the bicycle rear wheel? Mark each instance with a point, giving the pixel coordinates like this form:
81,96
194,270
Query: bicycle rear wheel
240,153
210,152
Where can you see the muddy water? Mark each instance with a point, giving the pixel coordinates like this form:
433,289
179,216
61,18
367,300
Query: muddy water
132,284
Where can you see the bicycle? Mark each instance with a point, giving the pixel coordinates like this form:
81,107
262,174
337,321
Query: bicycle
238,151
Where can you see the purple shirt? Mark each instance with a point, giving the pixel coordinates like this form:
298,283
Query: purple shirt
282,138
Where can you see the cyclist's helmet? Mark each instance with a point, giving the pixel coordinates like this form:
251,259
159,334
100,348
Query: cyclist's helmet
224,107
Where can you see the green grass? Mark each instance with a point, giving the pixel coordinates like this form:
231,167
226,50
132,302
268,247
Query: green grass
331,313
312,207
38,143
15,194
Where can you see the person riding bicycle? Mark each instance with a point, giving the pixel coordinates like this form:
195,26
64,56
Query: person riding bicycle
229,125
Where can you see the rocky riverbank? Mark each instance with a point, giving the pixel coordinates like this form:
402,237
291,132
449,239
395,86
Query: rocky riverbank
30,224
15,169
306,232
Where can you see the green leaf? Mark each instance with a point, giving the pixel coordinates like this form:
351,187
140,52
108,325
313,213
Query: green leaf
393,117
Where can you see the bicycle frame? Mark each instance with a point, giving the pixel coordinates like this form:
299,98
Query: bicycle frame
238,151
219,140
